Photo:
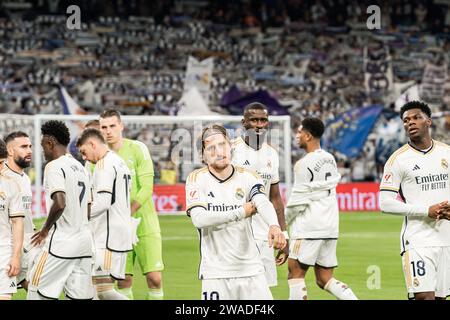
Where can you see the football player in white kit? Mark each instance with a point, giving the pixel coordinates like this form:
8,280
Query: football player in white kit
20,151
419,173
253,152
65,261
219,199
110,213
11,230
312,214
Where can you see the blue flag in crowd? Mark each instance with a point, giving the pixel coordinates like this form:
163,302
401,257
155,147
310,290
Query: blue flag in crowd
348,132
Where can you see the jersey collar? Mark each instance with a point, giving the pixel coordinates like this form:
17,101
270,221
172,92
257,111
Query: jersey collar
421,151
251,148
223,180
20,174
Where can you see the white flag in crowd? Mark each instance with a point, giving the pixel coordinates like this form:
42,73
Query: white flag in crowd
199,75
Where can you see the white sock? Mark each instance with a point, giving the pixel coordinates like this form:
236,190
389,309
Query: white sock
105,291
340,290
155,294
297,289
127,292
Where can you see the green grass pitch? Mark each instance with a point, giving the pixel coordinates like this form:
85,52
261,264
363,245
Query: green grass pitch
367,242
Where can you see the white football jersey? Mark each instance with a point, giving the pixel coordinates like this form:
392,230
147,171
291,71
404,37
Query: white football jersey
112,229
27,197
10,207
421,178
320,220
70,236
89,170
265,162
227,250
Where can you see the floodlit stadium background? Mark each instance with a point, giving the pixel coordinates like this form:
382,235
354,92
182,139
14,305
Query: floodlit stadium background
197,58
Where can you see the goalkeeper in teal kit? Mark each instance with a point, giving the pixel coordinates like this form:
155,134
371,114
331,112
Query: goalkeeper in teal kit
148,250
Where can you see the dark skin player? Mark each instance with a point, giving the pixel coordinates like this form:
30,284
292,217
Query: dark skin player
417,127
256,124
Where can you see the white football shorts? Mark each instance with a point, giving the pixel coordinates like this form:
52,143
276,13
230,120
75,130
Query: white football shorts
50,276
314,252
427,269
268,259
7,284
244,288
109,263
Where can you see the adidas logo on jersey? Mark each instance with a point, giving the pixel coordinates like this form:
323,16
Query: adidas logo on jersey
12,285
246,163
99,268
416,167
211,194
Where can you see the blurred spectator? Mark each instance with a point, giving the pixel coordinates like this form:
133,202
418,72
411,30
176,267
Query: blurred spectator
344,171
358,169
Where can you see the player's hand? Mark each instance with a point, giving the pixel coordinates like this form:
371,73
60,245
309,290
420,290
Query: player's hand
282,255
135,207
444,213
134,226
438,210
250,209
276,238
39,237
13,267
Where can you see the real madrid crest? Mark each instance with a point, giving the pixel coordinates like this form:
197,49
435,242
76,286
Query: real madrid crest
444,164
416,282
239,194
261,188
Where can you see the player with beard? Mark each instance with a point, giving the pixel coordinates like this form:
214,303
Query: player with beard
219,199
20,151
251,151
11,230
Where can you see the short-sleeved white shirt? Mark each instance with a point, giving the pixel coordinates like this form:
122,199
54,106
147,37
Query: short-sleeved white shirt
70,236
26,196
10,207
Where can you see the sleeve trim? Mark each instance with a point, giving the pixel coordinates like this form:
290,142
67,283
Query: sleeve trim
188,210
389,189
18,215
55,191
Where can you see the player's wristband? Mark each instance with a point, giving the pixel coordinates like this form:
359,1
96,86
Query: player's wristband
286,235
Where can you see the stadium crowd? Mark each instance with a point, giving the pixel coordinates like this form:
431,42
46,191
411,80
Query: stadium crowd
310,56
